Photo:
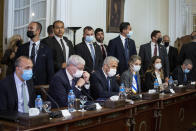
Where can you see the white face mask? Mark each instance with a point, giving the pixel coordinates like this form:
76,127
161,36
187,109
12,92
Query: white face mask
136,68
78,74
129,35
158,66
112,72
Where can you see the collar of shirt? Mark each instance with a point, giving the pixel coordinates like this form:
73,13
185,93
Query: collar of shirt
167,48
37,43
123,39
152,48
153,44
58,38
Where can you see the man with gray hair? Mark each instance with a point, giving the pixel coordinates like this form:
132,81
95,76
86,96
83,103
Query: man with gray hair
182,73
71,78
103,81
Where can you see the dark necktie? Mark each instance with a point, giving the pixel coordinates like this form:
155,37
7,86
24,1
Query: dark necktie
103,51
64,51
33,53
25,102
92,54
127,49
155,50
108,83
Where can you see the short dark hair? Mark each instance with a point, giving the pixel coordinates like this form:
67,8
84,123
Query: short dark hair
154,33
19,59
98,30
87,28
57,21
123,26
39,26
50,29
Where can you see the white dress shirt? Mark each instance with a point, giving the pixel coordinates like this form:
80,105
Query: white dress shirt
70,78
36,48
152,49
103,47
65,44
19,93
123,40
167,49
88,45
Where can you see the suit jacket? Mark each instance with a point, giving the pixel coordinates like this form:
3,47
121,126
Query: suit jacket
59,89
58,52
115,48
43,69
9,96
99,86
83,51
146,56
188,51
173,58
127,78
149,81
178,74
105,49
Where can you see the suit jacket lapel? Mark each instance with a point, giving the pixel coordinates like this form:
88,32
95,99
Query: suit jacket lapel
29,87
149,50
88,51
39,53
160,51
13,86
103,79
121,46
26,53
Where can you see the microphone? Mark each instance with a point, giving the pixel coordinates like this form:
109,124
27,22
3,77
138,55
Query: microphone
57,105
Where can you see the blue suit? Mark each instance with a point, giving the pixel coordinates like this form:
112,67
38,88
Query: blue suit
99,85
60,87
115,48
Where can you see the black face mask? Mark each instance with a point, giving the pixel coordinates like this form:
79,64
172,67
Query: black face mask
166,44
30,34
159,40
18,43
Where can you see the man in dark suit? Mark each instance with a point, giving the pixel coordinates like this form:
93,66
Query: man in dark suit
89,51
172,53
122,47
183,73
103,81
40,54
71,78
99,36
16,90
188,51
61,47
154,48
50,35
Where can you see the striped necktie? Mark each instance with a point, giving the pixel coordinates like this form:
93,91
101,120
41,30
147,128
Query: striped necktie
25,102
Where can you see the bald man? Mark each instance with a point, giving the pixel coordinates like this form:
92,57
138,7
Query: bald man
172,53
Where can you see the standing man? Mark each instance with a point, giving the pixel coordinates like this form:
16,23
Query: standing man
99,36
122,47
16,90
154,48
50,35
188,51
61,47
89,51
172,53
39,53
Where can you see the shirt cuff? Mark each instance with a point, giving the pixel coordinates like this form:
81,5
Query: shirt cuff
87,86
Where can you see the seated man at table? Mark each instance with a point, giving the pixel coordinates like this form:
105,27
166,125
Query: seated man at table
16,90
183,73
71,78
103,81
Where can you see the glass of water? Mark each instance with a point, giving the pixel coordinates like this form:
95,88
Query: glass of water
47,106
83,100
175,82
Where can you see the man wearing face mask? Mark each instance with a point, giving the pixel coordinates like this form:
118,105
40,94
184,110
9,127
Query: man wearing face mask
40,54
131,77
122,47
71,78
103,81
89,51
188,51
182,73
154,48
16,90
172,53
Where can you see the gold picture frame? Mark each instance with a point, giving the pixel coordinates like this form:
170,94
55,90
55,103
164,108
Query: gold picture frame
115,15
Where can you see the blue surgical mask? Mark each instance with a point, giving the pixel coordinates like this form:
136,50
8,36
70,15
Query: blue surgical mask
89,39
186,70
129,35
27,74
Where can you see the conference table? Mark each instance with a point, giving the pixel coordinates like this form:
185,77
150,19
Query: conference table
170,112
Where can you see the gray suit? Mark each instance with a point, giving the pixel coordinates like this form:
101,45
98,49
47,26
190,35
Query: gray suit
127,78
